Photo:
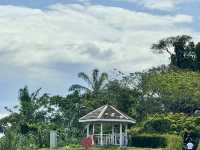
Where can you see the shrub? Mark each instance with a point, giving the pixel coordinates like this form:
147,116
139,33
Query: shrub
161,125
198,148
174,142
27,142
152,141
178,123
43,137
169,142
9,141
14,141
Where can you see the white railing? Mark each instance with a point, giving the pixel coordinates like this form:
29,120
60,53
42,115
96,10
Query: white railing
108,139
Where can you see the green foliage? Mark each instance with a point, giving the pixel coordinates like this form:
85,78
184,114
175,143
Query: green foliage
91,93
177,91
38,115
9,141
184,53
151,141
15,141
162,100
198,148
27,142
166,141
95,82
121,96
174,142
160,125
170,123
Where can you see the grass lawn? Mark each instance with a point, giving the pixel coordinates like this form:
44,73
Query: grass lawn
109,148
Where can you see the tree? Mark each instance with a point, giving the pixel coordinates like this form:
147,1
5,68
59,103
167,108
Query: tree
95,83
27,103
181,50
177,91
92,92
197,51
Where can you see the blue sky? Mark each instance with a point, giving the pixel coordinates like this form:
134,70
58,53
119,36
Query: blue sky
45,43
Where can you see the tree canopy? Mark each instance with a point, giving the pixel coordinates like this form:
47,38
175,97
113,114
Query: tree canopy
183,52
156,98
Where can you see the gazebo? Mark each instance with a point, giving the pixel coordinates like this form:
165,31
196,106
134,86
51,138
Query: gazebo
99,121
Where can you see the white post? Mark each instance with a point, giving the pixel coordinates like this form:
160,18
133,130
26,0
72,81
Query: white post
93,134
120,134
93,129
101,134
126,135
88,130
53,139
113,134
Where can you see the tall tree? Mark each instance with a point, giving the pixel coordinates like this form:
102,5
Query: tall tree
92,92
95,82
27,103
181,50
177,91
197,51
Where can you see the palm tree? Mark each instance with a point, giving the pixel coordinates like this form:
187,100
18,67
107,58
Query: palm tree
96,82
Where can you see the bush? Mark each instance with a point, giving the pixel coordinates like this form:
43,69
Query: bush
14,141
9,141
178,123
174,142
152,141
170,142
198,148
161,125
27,142
43,137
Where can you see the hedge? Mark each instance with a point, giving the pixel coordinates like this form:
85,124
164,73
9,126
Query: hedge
150,141
169,142
198,148
174,142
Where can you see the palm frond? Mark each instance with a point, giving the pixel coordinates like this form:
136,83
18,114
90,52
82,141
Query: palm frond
24,94
85,77
78,87
95,76
35,94
102,80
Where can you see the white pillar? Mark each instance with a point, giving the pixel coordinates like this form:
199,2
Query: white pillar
53,139
93,129
113,134
93,134
88,130
120,134
101,134
126,135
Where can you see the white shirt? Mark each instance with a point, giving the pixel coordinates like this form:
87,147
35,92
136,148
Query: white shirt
190,145
1,135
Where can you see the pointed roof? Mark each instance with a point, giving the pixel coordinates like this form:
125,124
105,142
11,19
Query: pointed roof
106,113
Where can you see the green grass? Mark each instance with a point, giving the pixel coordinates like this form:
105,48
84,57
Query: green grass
109,148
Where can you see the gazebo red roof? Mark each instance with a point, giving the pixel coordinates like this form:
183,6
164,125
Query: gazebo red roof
106,113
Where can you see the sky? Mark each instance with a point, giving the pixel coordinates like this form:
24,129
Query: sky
46,43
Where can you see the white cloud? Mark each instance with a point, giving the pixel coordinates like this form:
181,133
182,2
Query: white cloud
166,5
106,37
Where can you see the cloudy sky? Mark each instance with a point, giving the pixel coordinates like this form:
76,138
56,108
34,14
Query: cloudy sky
45,43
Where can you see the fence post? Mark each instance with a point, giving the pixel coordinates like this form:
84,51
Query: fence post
53,139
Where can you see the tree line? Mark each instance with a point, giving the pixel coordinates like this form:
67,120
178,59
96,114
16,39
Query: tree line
163,90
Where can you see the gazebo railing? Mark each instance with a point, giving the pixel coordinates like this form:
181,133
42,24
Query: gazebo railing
109,139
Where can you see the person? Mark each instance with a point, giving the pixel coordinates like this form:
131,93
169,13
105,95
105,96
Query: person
187,139
190,145
1,132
